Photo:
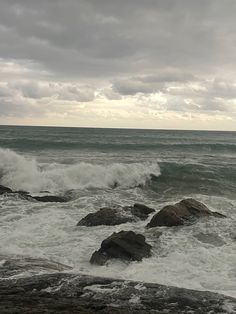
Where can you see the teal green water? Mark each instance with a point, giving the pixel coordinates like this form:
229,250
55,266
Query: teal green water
189,161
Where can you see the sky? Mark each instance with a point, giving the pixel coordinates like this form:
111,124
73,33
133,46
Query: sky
118,63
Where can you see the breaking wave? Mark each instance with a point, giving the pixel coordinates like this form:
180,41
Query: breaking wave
21,173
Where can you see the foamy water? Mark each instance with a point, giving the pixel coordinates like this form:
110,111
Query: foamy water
20,173
180,257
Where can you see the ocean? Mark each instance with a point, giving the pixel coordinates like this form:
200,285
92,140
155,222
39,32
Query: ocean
107,167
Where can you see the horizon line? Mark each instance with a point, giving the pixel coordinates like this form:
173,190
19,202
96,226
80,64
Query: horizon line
115,128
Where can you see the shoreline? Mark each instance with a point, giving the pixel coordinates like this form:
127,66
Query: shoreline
78,293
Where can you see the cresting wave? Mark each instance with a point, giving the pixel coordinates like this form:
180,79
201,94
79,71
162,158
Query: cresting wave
19,172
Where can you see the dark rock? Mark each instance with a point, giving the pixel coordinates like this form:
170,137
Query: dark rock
218,215
64,293
105,216
141,211
116,216
26,196
125,245
50,198
22,193
186,211
4,189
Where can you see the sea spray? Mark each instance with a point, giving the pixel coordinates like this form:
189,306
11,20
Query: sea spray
19,172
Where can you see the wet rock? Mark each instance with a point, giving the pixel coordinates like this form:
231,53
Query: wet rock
26,196
105,216
4,190
64,293
11,266
186,211
218,215
116,216
141,211
50,198
125,245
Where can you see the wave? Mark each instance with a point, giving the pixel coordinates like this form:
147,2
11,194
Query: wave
186,178
21,173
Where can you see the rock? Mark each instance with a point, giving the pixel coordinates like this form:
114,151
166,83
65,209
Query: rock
186,211
125,245
105,216
50,198
65,293
26,196
116,216
11,266
141,211
218,215
4,189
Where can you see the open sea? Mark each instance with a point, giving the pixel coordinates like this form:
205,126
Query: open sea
107,167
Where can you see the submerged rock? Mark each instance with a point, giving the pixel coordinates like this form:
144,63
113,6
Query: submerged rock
50,198
116,216
125,245
64,293
186,211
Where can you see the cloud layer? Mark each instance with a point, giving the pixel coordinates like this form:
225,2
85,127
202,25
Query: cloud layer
154,63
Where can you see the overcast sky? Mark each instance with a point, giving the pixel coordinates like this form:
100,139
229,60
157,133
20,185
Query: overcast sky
118,63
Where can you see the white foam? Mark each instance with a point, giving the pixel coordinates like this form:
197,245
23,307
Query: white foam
229,307
179,259
19,172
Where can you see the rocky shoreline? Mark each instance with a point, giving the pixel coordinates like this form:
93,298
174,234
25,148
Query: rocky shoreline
33,285
68,293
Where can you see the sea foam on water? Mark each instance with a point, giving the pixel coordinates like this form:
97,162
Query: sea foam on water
21,173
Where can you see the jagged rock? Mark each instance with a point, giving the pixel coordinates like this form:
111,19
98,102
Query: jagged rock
186,211
125,245
4,189
64,293
116,216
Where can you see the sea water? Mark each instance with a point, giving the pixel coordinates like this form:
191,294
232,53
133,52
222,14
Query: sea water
110,167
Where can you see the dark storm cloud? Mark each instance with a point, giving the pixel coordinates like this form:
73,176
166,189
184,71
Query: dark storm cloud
109,38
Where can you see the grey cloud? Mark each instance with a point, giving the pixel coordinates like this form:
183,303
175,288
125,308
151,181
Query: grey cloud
110,94
151,83
108,38
177,48
76,93
61,91
33,90
5,91
14,108
134,86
